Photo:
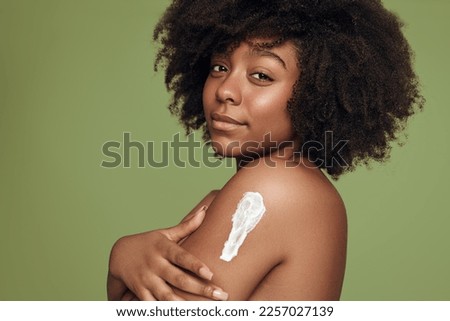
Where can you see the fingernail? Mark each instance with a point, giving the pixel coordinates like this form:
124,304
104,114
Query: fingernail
205,273
220,295
204,208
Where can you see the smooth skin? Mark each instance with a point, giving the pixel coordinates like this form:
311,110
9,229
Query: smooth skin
141,264
298,249
251,86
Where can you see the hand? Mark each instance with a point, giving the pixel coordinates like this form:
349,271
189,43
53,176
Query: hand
141,264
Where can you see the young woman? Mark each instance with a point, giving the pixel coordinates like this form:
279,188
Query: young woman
290,89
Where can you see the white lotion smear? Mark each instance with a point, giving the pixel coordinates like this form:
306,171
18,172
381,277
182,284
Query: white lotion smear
247,215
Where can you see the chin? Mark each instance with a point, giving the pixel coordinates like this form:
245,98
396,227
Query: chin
235,149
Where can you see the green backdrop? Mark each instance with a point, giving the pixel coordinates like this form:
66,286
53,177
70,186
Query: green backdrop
75,74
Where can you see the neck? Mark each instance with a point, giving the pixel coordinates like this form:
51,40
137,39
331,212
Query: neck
285,151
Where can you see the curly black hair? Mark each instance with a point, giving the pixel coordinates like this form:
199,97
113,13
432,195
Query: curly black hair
356,79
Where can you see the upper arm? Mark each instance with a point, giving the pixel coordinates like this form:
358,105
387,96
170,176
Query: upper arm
290,227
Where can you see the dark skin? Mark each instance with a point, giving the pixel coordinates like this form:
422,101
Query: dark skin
354,78
357,79
297,251
306,233
157,251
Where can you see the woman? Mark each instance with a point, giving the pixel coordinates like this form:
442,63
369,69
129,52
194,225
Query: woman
289,89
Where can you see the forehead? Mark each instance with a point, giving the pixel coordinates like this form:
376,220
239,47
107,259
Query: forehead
286,50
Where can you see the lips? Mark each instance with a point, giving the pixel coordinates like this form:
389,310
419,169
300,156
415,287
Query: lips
223,122
225,119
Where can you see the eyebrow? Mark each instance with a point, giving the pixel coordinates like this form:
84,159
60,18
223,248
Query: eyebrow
266,53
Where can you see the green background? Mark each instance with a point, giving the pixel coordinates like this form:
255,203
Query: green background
76,74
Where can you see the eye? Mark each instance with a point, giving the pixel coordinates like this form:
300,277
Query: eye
261,76
218,68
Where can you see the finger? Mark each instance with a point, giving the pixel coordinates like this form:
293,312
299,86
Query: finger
191,215
144,294
182,258
190,284
128,296
185,228
162,292
136,292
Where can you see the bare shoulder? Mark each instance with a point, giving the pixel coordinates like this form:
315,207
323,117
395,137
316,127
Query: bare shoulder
292,187
309,219
302,211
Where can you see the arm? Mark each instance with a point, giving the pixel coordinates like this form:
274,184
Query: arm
297,250
143,263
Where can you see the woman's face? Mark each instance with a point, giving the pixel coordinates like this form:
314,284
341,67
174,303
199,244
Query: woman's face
245,99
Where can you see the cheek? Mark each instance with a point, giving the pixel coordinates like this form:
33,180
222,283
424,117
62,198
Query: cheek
270,107
269,113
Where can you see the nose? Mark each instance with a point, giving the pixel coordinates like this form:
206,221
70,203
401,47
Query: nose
229,91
